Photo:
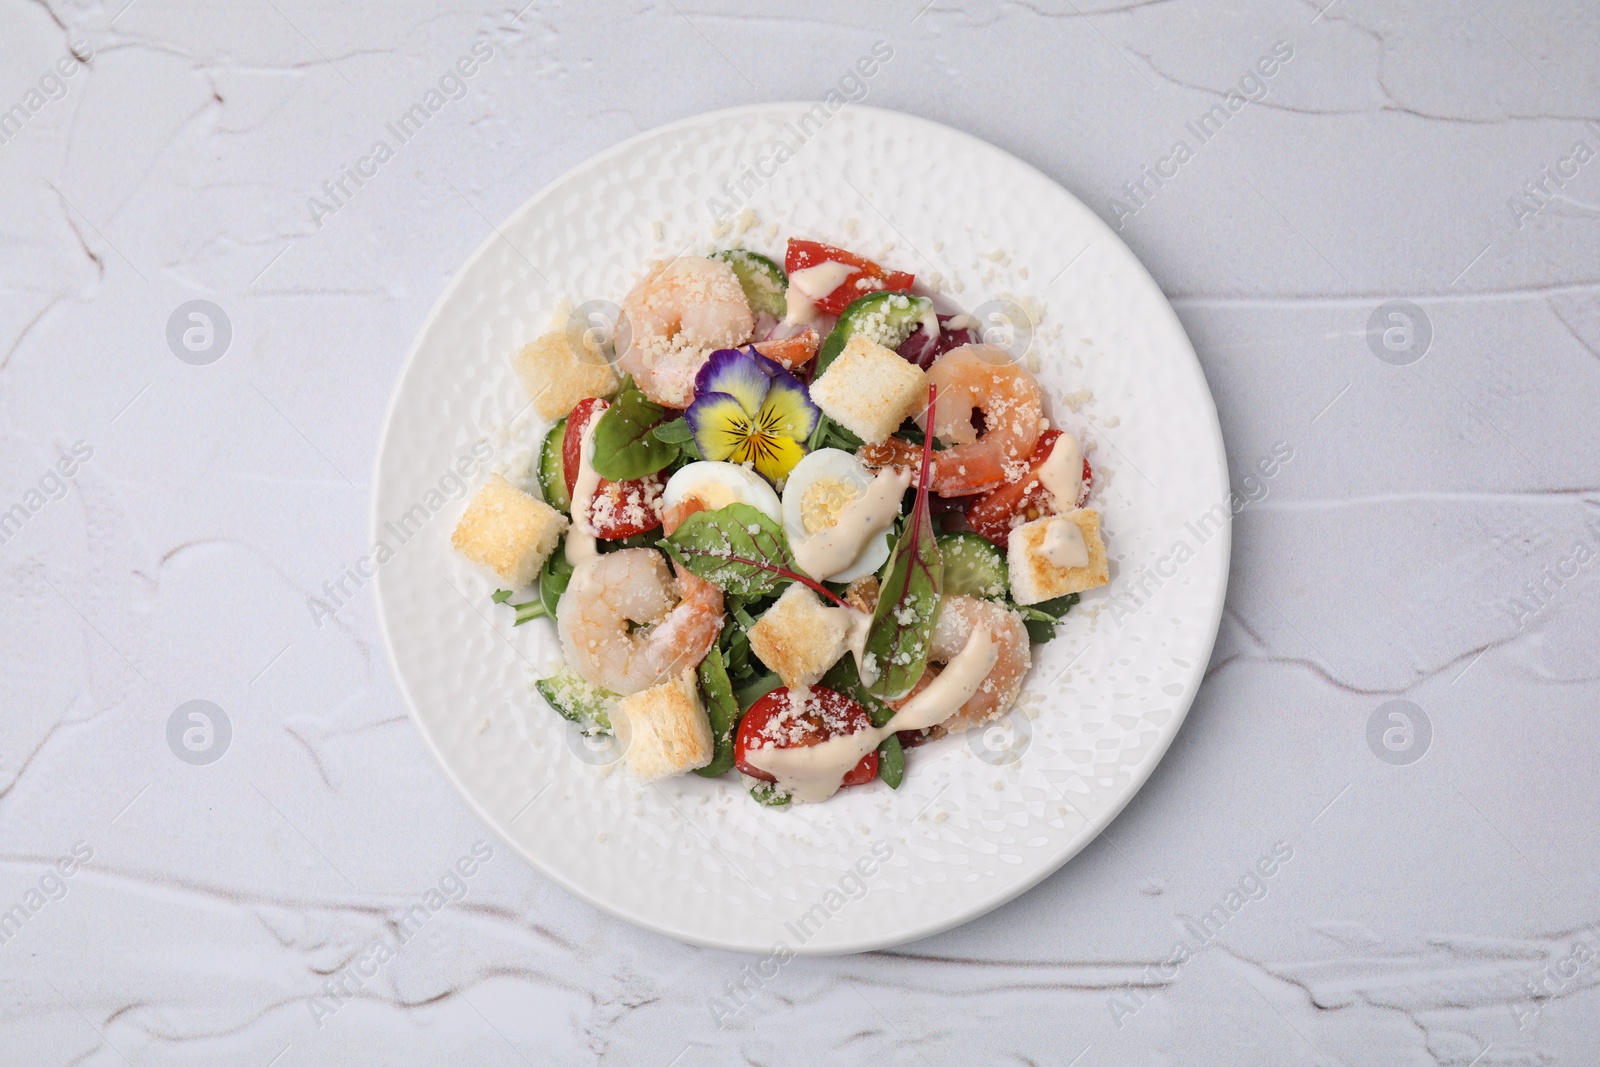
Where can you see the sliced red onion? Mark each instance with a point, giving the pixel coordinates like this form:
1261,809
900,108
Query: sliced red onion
921,347
925,346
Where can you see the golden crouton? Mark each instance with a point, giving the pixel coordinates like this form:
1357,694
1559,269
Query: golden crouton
1035,578
558,370
799,637
665,728
870,390
508,531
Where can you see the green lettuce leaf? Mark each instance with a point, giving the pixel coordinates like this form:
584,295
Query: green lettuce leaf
624,445
737,548
723,711
908,604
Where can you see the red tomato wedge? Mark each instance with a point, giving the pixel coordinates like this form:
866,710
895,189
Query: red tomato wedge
867,276
618,509
774,719
994,513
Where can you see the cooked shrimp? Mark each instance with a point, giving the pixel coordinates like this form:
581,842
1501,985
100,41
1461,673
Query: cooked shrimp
674,319
626,624
983,379
957,616
690,585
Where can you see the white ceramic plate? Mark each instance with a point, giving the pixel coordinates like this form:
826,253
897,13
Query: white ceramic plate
980,817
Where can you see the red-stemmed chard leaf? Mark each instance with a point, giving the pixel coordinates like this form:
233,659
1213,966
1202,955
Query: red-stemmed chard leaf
908,604
740,550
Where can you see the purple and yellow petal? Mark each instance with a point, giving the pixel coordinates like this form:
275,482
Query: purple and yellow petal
787,409
719,424
778,456
748,409
734,373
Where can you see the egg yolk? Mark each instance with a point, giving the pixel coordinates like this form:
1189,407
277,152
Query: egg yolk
715,497
822,502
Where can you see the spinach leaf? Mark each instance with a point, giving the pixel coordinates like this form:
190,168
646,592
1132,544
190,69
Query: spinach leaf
891,762
723,711
625,446
675,432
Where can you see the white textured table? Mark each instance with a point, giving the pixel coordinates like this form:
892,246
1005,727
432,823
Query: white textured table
1431,537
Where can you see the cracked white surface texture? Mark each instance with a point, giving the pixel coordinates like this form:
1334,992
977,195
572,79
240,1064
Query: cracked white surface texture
1418,906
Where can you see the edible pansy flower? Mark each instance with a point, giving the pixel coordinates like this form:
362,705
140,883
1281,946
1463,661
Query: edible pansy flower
748,409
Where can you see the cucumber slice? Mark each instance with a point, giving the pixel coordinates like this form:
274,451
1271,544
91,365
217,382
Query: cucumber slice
552,476
770,794
972,566
886,317
762,280
579,701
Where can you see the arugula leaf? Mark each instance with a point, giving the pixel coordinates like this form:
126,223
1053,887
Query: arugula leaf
740,613
738,549
528,609
1041,618
723,711
735,648
1058,607
910,431
908,604
625,446
830,434
553,579
757,689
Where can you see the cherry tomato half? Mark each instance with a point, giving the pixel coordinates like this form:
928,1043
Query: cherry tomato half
864,279
618,509
992,514
828,714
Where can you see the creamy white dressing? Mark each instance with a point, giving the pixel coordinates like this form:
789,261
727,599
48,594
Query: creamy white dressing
833,549
955,685
580,535
961,322
1063,544
858,624
1061,473
810,284
813,773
